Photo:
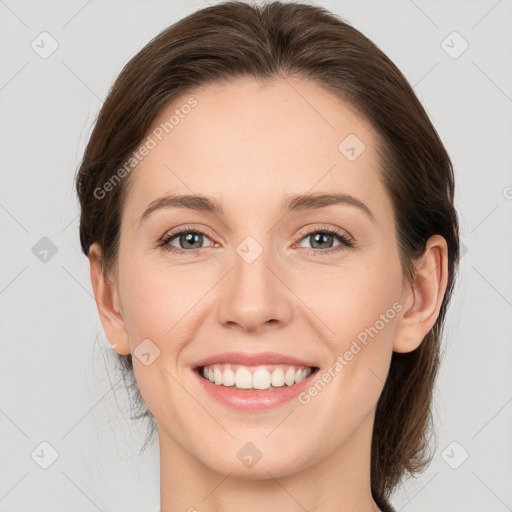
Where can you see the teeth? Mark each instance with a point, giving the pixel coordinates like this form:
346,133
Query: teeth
289,377
228,378
217,375
277,378
259,378
243,379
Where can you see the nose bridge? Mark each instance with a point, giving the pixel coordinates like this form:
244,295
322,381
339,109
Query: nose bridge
253,296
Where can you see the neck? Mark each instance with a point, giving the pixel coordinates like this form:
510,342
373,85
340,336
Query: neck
338,482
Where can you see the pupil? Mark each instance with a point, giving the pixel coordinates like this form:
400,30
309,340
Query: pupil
189,238
320,238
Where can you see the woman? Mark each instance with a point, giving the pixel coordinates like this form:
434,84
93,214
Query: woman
268,215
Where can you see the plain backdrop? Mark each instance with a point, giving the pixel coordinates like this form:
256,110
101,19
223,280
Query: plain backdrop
58,385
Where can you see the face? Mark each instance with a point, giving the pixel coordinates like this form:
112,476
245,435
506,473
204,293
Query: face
268,287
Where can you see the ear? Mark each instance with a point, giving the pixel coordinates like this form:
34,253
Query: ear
107,300
422,299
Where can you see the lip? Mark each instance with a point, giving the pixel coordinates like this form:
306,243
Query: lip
247,400
247,359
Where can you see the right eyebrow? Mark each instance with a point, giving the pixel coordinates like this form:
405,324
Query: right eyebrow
191,202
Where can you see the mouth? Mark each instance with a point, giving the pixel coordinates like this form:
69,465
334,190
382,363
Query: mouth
253,382
268,377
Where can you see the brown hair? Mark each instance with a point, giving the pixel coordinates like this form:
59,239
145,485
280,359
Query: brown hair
235,40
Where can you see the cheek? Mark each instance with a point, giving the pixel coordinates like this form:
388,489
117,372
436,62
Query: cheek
157,299
360,307
158,304
350,301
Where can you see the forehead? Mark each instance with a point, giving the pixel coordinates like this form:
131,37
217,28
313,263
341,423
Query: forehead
248,139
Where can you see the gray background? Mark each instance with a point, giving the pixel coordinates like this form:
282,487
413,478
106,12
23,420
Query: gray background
57,382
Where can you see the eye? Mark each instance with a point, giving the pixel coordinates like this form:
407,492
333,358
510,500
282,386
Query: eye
323,241
186,240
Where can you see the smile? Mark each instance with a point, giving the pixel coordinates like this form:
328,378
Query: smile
253,382
252,378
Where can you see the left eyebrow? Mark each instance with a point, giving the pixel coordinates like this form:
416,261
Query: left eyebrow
296,202
320,200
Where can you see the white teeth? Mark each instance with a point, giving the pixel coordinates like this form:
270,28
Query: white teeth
217,375
243,379
277,378
289,378
228,379
261,378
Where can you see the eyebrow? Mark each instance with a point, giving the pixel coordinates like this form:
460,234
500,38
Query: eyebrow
297,202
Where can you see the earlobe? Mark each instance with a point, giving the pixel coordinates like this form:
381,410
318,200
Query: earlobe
423,298
108,304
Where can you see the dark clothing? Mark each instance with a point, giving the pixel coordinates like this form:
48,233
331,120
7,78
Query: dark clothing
383,504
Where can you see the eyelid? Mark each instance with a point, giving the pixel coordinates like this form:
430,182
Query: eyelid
203,230
325,228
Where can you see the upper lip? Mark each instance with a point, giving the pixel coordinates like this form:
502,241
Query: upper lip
248,359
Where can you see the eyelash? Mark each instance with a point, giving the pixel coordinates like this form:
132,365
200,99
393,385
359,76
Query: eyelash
345,241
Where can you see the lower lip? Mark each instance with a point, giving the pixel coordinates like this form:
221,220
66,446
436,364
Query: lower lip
254,400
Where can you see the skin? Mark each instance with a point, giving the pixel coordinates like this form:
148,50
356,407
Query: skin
249,145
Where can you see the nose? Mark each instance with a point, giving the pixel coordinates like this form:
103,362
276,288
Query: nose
254,296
